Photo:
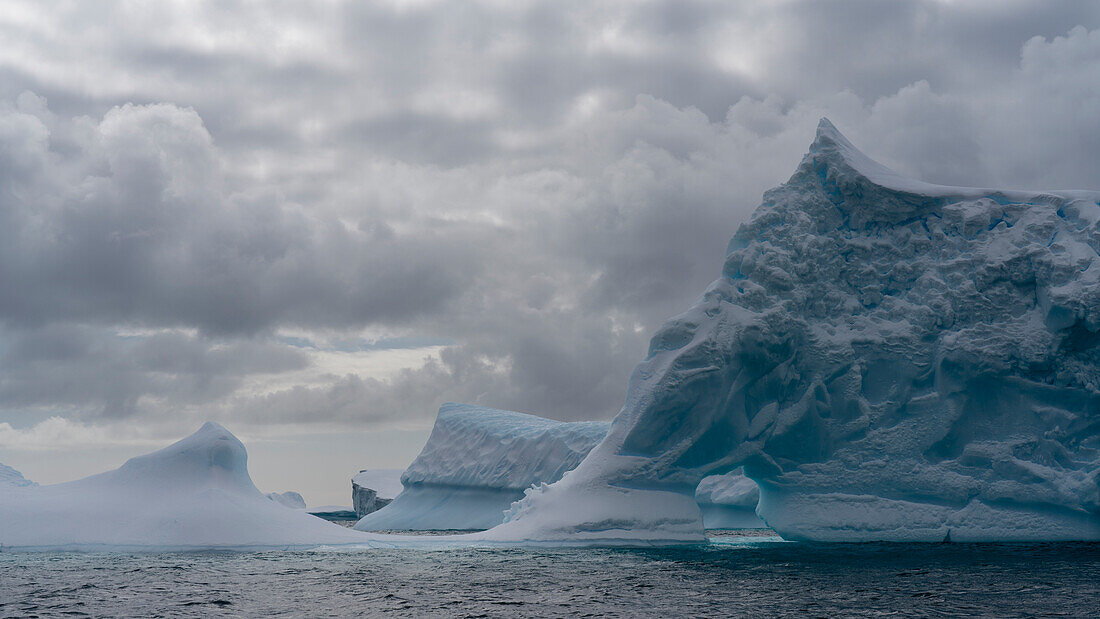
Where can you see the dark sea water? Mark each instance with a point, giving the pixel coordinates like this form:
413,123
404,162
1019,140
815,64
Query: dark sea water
734,576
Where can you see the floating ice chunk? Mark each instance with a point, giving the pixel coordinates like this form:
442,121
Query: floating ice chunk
478,461
195,493
888,360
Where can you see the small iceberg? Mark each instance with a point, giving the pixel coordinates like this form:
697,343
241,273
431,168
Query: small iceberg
476,463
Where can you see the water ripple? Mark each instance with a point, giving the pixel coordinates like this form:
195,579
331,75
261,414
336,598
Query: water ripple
766,579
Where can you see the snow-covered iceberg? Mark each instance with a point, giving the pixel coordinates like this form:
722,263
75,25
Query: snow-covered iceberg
11,478
888,360
290,499
195,493
477,462
729,502
373,489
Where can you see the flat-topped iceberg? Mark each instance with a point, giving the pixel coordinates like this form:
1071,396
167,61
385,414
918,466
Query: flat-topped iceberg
195,493
888,360
477,462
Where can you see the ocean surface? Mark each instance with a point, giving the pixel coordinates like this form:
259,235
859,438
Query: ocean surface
732,576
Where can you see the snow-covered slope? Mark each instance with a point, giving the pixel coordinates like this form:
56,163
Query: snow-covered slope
476,462
728,502
195,493
888,359
11,478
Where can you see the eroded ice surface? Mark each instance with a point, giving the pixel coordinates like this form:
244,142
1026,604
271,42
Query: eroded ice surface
386,483
289,499
195,493
729,502
888,360
477,462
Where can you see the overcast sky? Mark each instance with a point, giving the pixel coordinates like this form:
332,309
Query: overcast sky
314,223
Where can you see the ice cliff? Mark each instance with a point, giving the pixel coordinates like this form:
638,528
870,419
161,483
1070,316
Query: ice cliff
373,489
195,493
476,462
887,359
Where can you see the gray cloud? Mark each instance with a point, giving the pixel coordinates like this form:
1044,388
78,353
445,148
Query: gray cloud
91,374
538,184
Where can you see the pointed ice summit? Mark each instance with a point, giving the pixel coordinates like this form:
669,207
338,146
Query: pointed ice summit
887,359
195,493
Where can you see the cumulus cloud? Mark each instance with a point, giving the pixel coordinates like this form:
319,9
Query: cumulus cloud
527,189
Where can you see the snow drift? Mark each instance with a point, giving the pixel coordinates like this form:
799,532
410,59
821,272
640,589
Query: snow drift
195,493
477,462
888,360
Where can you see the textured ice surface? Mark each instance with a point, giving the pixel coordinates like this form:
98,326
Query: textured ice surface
478,461
888,360
729,502
11,478
195,493
373,490
289,499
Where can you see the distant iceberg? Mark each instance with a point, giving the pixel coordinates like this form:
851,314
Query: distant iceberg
887,359
477,462
195,493
289,499
12,478
373,489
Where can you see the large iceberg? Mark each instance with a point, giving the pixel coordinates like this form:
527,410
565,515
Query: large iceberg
887,359
195,493
477,462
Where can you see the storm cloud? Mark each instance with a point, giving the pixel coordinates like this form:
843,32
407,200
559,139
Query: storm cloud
234,211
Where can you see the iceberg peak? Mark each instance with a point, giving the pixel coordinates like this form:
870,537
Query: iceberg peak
212,455
887,359
863,188
831,148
